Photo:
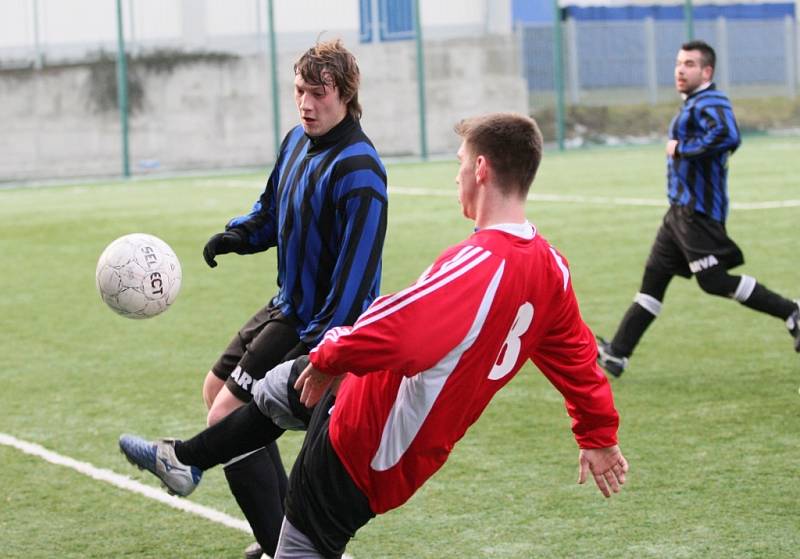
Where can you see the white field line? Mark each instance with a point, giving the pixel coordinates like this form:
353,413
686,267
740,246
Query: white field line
569,199
596,200
124,482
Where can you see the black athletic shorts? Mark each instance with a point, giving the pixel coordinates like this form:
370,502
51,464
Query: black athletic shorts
690,242
268,339
323,501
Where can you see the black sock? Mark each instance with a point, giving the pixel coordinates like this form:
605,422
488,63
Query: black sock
766,301
631,330
256,482
283,480
243,430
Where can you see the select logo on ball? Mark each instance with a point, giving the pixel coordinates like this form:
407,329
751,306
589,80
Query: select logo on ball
138,276
156,284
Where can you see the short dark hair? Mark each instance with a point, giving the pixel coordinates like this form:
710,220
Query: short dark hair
707,55
511,142
330,64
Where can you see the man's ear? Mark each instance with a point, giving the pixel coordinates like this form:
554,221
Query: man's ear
708,73
481,169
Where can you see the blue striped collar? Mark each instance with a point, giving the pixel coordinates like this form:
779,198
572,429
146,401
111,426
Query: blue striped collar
703,87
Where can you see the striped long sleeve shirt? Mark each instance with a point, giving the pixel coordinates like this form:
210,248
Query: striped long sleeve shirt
707,135
324,207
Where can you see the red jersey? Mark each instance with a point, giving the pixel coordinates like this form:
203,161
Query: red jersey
422,364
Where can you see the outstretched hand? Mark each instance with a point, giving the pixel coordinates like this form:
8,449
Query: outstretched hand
607,465
312,384
221,243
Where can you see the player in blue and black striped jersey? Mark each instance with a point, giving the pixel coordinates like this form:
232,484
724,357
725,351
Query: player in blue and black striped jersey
692,239
324,209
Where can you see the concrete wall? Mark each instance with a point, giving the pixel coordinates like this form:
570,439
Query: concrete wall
217,114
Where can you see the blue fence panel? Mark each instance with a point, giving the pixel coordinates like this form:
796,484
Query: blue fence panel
767,10
611,54
669,37
758,52
537,48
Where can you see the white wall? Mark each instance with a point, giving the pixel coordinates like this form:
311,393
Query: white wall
218,115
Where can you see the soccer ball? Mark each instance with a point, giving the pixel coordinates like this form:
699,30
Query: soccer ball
138,275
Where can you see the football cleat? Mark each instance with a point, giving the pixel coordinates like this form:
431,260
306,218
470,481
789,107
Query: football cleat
158,458
613,364
793,325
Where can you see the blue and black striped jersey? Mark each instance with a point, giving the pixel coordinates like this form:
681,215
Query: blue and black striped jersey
325,208
707,135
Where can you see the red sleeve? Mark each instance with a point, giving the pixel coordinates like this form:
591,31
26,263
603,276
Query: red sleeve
410,331
567,357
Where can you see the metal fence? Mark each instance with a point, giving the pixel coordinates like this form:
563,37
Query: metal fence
623,61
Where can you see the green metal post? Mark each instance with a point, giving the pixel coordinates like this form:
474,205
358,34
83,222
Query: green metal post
273,65
558,74
38,60
122,91
688,16
423,127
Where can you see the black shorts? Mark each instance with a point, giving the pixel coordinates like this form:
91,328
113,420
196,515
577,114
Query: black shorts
266,340
689,242
323,501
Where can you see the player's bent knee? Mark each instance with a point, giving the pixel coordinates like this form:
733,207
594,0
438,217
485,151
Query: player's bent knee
216,414
224,404
211,387
272,396
718,282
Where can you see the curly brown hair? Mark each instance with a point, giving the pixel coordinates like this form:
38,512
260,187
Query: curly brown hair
330,64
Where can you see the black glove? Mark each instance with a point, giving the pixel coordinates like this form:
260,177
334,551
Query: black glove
222,243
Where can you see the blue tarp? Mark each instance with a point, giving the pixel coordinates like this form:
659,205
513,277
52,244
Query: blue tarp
729,11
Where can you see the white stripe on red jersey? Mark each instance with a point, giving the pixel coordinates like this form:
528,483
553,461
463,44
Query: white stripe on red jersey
417,394
463,262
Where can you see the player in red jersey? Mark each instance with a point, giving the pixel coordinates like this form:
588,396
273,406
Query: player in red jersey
419,366
393,393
